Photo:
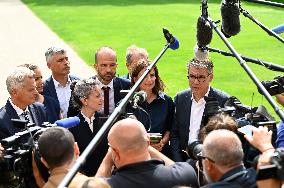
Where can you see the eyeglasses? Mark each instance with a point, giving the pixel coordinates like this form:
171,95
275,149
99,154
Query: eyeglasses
201,78
201,157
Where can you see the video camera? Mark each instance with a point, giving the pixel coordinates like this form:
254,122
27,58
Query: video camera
17,157
275,86
275,169
243,116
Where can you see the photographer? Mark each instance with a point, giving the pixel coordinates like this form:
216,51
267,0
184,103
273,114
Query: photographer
261,139
222,161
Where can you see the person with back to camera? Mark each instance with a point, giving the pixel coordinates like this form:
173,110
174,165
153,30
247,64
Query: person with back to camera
159,107
131,153
222,161
87,97
59,151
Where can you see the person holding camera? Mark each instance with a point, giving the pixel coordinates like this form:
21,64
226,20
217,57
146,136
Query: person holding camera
21,104
271,177
190,105
222,161
59,151
158,109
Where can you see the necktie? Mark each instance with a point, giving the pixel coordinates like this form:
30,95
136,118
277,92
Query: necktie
26,116
106,100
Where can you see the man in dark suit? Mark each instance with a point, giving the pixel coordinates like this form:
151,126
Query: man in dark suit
190,105
105,65
58,85
133,55
21,105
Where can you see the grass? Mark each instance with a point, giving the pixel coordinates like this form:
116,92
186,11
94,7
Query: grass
88,24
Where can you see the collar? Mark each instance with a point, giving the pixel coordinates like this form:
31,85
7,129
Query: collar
57,84
161,95
206,94
140,166
18,110
110,85
233,173
87,119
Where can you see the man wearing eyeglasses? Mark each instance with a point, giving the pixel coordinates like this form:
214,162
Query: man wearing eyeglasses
190,106
222,161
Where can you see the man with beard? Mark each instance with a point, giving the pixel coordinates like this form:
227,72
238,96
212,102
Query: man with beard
58,85
105,65
222,161
190,106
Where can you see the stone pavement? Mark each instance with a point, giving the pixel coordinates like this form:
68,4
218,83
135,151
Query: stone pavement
24,38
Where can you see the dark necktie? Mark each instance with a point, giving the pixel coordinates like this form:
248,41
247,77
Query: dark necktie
106,100
26,116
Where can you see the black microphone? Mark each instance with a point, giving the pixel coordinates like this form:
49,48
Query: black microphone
173,41
139,98
204,32
230,13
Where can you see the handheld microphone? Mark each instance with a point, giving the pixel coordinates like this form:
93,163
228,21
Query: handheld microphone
230,13
173,41
139,98
68,122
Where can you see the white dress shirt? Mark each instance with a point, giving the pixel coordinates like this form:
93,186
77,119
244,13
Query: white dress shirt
197,109
20,112
111,96
63,95
89,121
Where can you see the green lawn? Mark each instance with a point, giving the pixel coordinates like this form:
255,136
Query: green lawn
89,24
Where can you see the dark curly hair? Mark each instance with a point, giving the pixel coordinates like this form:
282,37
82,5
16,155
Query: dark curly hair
218,121
142,64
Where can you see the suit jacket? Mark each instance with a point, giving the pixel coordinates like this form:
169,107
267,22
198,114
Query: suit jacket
83,136
7,113
49,88
180,131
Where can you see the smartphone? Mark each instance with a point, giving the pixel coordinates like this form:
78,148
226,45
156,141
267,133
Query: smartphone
155,138
246,130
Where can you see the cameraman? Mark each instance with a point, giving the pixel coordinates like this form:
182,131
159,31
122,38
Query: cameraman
222,161
261,139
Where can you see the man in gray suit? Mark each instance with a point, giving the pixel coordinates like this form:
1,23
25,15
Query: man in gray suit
190,105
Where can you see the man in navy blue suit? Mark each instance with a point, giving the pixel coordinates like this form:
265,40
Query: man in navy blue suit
58,85
105,65
21,104
190,105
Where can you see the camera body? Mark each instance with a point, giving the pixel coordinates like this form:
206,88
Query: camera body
275,169
17,158
275,86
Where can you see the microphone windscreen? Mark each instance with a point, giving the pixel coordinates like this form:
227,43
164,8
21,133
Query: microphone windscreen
204,32
68,122
230,13
175,44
